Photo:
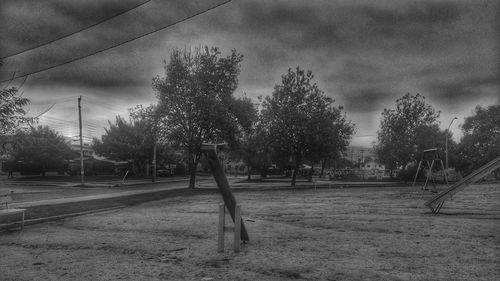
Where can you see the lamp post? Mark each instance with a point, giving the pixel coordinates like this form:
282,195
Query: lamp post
446,142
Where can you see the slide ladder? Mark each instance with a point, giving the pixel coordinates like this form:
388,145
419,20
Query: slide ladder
437,201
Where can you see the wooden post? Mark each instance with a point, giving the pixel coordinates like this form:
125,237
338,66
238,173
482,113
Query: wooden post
223,185
237,228
222,224
222,229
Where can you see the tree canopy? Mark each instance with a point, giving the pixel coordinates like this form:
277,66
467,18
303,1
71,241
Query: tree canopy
481,138
12,112
41,148
301,120
127,141
196,102
407,130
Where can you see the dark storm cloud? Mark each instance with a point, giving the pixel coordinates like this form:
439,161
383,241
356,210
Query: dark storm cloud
356,71
83,13
423,13
369,100
467,90
299,25
386,41
50,19
292,26
61,18
365,54
92,78
420,26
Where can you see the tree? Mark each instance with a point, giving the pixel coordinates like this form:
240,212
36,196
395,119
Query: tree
12,113
150,122
481,138
331,138
254,150
407,130
302,121
196,102
128,141
41,148
367,159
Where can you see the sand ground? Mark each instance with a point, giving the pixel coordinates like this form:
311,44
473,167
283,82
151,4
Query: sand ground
324,234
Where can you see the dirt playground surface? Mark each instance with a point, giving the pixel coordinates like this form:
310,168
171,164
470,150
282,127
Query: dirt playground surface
324,234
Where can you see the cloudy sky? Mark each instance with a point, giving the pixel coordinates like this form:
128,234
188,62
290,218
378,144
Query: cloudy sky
364,54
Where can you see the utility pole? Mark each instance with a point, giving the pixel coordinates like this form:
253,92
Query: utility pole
81,140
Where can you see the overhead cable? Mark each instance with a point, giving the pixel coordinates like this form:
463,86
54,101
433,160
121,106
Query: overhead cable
119,44
74,32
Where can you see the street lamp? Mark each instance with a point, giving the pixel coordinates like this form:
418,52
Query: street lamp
446,142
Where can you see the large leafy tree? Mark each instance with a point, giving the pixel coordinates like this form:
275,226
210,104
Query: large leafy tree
302,121
196,102
12,110
151,123
254,150
131,141
41,148
331,138
481,140
407,130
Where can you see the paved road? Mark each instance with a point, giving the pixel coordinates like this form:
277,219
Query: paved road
40,193
106,195
29,194
35,193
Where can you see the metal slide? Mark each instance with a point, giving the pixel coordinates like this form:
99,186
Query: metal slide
437,201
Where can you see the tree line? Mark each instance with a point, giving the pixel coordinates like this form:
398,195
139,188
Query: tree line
413,126
197,105
297,123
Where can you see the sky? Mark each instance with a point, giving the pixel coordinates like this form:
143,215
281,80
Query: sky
364,54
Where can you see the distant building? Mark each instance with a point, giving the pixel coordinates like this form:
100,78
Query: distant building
372,165
370,170
236,167
88,152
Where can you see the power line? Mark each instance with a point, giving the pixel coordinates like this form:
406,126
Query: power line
75,32
100,104
122,43
58,100
50,118
52,104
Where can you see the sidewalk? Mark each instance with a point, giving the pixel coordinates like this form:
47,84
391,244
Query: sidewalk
62,199
56,201
40,193
88,183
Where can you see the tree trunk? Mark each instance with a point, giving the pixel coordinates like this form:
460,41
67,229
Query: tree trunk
403,174
323,164
192,178
193,164
192,174
249,173
310,173
296,169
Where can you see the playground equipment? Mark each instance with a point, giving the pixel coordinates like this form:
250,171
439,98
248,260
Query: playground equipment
223,228
430,156
210,151
436,203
